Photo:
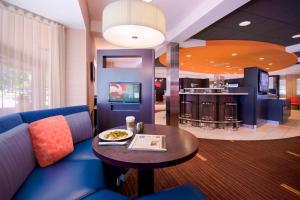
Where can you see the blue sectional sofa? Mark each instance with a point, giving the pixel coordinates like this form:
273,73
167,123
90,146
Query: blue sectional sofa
78,176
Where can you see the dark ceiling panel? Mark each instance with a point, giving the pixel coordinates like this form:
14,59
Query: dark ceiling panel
274,21
286,11
297,53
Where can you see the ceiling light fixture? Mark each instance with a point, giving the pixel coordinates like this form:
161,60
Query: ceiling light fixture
270,64
211,62
227,66
267,68
261,58
245,23
133,24
234,54
189,55
296,36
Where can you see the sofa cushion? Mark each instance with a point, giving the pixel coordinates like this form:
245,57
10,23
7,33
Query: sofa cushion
181,192
80,125
106,195
63,180
51,139
83,151
16,160
9,121
32,116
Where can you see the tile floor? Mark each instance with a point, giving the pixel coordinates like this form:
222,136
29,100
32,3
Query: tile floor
266,131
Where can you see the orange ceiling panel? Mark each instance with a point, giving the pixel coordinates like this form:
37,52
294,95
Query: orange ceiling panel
232,56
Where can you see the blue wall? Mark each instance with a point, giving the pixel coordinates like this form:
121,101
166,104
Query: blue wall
109,114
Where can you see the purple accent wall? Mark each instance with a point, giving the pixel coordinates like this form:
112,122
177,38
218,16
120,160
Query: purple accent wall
110,114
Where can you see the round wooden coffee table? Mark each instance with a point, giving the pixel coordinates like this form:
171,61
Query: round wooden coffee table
181,146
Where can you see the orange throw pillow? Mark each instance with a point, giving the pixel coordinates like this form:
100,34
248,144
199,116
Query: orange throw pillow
51,139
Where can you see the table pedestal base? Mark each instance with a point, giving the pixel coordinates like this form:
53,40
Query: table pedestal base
145,182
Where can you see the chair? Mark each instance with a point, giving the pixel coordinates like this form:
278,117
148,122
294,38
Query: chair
185,112
295,102
207,114
230,114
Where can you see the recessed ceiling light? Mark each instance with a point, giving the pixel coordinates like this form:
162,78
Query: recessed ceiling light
234,54
245,23
270,64
267,68
211,62
261,58
188,55
193,68
296,36
227,66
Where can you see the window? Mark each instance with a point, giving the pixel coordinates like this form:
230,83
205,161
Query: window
31,61
282,87
298,86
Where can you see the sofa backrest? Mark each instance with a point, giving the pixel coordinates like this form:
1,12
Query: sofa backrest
81,126
9,121
16,160
32,116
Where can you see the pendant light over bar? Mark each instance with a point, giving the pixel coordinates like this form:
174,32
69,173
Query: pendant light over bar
133,24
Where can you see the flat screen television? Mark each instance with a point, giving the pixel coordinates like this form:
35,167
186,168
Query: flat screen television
263,86
125,92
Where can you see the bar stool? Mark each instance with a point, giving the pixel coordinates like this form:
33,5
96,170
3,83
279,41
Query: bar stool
186,112
207,114
231,114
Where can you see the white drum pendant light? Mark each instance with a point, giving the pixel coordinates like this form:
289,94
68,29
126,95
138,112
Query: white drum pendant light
133,24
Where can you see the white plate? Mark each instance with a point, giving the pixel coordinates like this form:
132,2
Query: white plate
104,133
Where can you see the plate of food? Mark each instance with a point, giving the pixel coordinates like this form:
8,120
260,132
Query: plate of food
115,134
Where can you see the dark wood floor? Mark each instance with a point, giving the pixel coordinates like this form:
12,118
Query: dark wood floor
236,170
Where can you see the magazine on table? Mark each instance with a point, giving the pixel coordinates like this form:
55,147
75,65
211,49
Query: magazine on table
147,142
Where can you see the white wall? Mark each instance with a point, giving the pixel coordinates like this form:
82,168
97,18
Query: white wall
76,73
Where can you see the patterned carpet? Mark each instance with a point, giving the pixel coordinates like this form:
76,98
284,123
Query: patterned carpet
236,170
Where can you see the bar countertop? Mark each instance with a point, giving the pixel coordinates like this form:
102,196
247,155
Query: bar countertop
224,93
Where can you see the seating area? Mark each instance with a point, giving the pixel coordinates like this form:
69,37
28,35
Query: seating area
80,175
295,102
149,99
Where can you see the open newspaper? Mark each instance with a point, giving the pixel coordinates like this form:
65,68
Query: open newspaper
147,142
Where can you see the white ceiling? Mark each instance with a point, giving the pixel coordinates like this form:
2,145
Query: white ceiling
66,12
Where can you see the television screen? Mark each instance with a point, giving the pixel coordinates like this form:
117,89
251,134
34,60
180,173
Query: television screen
263,82
125,92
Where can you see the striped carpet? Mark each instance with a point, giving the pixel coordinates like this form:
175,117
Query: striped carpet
236,170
